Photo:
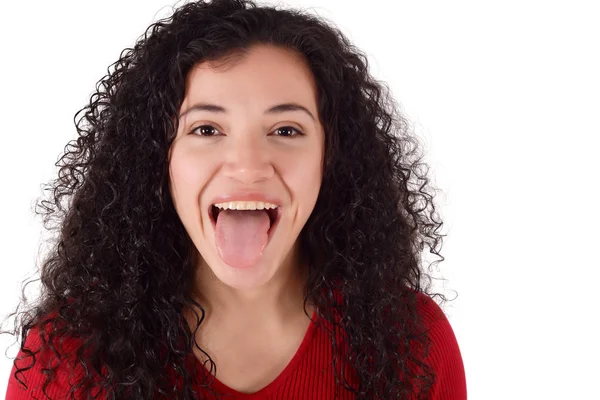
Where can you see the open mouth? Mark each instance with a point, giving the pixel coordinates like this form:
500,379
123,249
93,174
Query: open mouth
273,213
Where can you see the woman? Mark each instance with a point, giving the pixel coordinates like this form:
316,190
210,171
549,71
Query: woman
242,222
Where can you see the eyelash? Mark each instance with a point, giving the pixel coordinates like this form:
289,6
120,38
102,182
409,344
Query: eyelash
299,132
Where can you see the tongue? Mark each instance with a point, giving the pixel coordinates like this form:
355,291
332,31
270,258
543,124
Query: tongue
241,236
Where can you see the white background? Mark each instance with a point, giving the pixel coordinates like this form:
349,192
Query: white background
506,96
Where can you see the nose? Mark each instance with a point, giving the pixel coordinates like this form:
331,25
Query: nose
247,159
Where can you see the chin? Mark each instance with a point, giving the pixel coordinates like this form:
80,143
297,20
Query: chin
246,278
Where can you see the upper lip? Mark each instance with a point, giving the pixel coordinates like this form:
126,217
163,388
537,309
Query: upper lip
246,196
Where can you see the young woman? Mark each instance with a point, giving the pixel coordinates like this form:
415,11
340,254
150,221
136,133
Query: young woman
245,216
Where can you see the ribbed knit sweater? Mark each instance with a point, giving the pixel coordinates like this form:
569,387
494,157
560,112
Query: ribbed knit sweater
309,375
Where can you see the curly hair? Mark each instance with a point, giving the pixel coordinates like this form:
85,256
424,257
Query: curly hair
120,267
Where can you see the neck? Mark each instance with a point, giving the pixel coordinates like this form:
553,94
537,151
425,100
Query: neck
279,299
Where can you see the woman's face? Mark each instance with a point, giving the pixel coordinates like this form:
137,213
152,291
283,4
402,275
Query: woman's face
243,143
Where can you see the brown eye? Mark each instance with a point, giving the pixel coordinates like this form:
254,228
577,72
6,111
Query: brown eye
288,131
205,130
209,130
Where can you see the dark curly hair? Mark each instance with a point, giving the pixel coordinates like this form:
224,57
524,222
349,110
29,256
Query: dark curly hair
120,268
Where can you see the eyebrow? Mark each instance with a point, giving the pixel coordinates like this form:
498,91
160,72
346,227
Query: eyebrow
278,109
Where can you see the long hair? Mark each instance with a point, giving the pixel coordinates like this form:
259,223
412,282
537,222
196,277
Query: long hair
120,266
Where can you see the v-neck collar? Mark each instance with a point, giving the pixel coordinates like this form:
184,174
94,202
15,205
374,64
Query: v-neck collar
272,387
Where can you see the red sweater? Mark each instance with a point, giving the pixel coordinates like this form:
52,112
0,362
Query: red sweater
309,375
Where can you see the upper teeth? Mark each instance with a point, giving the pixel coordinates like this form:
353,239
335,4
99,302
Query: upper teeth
245,205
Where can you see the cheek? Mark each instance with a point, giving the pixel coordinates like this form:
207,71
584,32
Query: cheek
188,174
303,177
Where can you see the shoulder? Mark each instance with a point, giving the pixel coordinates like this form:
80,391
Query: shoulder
30,369
444,353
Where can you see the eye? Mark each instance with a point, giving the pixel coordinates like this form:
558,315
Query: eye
209,130
289,129
205,130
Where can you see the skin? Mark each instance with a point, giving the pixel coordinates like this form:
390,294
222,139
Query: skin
257,309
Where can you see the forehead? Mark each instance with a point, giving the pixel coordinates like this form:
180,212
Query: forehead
259,76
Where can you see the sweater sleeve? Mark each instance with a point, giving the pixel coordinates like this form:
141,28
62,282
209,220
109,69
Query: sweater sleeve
34,377
444,354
